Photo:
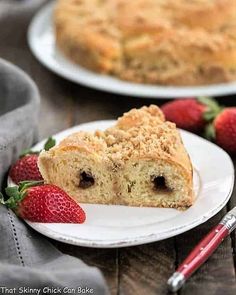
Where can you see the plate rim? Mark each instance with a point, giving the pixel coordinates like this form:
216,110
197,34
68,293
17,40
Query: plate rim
139,240
123,87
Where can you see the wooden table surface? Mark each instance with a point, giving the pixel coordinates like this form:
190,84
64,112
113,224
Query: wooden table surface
140,270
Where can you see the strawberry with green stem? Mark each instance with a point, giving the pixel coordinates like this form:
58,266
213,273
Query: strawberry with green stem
190,113
26,167
47,203
205,114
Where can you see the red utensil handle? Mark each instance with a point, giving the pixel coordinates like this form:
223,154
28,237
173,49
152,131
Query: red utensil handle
203,250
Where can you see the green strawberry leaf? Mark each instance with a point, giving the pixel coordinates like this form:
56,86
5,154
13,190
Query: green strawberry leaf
213,108
2,201
208,116
14,197
12,203
23,185
12,191
51,142
208,101
17,193
28,152
209,132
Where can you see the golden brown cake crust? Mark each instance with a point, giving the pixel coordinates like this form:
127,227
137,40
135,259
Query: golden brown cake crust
138,148
165,42
133,136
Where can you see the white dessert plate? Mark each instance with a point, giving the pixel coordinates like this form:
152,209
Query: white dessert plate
42,43
109,226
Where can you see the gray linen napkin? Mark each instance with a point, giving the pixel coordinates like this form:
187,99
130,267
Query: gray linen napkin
19,105
27,260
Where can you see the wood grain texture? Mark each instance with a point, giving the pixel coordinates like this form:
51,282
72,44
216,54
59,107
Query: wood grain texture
141,270
145,269
217,275
231,205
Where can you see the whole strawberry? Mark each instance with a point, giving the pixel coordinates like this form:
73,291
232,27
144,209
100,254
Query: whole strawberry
43,203
225,129
26,168
190,113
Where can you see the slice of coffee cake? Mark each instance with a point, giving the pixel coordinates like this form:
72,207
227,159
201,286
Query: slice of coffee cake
140,161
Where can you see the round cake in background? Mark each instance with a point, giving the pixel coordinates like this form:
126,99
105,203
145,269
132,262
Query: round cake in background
163,42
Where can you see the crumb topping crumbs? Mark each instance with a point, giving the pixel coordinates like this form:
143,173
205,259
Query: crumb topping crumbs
140,133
